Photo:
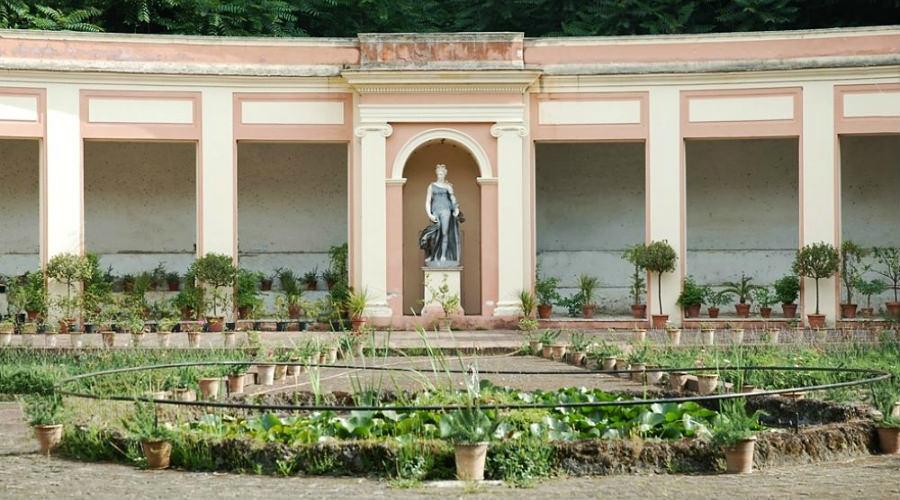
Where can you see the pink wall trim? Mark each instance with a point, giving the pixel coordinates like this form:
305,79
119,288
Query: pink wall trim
395,247
490,220
692,50
741,129
137,129
580,132
866,124
22,128
283,132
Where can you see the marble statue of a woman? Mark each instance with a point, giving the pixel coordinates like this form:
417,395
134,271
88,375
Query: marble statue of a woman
440,240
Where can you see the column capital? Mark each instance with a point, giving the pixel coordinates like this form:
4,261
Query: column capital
383,129
505,128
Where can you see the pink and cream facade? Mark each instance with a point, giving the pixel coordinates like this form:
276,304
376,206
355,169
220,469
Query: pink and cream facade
564,151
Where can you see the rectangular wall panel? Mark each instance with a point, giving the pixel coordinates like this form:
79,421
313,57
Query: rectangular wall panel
292,112
871,104
590,112
19,108
735,109
114,110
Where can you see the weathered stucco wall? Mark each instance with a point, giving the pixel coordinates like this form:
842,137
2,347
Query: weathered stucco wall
140,204
590,207
742,209
870,204
292,204
19,206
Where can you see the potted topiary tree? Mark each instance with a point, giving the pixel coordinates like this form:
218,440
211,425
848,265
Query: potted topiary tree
868,288
45,414
889,259
587,286
155,439
217,273
659,257
638,280
69,269
817,261
742,290
851,271
547,295
787,289
733,432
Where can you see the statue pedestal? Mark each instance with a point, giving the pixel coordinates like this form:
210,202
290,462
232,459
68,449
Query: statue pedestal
435,278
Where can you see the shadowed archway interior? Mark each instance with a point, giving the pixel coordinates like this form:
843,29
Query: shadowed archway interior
462,173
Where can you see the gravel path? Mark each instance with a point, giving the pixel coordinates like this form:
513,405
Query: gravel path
26,475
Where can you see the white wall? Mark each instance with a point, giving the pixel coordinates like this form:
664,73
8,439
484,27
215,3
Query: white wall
140,204
292,204
590,207
870,204
19,206
742,208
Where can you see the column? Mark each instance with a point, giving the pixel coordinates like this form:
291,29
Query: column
373,216
666,194
818,190
511,236
217,230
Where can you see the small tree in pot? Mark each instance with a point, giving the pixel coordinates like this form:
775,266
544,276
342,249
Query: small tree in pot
69,269
547,295
764,299
246,295
851,271
889,260
787,289
691,297
742,290
659,257
587,285
155,439
817,261
216,272
868,288
45,414
638,280
714,300
734,433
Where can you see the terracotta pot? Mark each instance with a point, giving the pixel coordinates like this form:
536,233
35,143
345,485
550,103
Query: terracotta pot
545,311
280,372
739,458
32,315
294,311
265,374
638,374
677,381
742,310
653,376
707,383
889,440
265,285
621,366
713,312
311,286
229,340
867,312
470,461
236,383
109,338
184,394
765,312
660,320
157,452
639,311
323,358
893,309
608,363
789,310
848,311
193,339
75,340
577,358
708,336
332,354
209,387
674,336
816,320
244,312
737,336
587,311
535,346
5,339
163,339
692,311
546,352
173,286
215,324
358,324
557,351
638,335
48,437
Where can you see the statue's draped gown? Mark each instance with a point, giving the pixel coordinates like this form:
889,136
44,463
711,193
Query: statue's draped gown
432,239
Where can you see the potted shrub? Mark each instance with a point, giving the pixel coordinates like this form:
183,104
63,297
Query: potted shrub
45,414
237,377
293,294
155,439
638,363
851,271
356,306
691,297
266,280
449,303
28,293
311,279
547,295
134,325
164,330
527,303
674,334
209,385
547,340
707,334
50,335
868,288
733,432
7,329
885,397
889,260
189,300
817,261
606,354
659,257
470,430
580,346
764,299
587,285
69,269
246,296
638,285
715,300
742,291
217,273
787,290
173,281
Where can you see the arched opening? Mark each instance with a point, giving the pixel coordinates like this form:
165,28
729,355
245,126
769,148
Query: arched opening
463,172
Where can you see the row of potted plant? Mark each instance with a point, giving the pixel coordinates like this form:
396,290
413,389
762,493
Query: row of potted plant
856,264
786,290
